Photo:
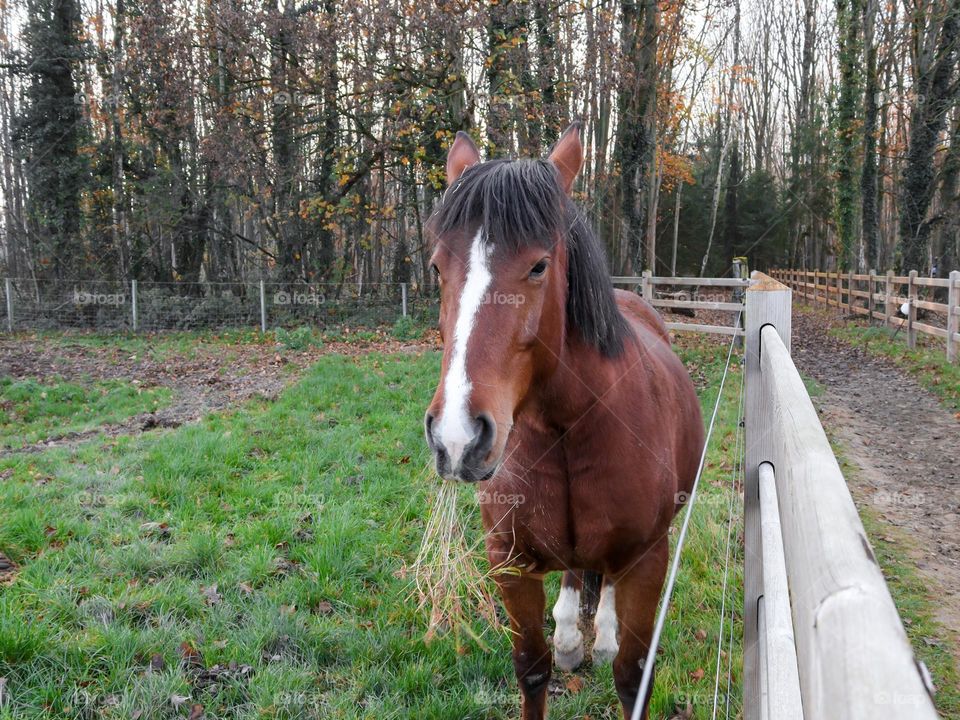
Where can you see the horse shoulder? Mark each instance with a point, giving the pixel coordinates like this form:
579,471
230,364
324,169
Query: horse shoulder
638,310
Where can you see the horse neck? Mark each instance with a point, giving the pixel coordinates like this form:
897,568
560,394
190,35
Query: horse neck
582,375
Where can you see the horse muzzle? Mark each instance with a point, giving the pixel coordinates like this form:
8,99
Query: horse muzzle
463,453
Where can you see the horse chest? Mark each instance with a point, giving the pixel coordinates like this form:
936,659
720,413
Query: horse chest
554,505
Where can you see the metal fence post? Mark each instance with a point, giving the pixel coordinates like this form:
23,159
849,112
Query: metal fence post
263,307
912,309
8,290
133,305
403,298
953,316
767,303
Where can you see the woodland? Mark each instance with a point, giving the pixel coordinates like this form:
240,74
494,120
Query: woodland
194,141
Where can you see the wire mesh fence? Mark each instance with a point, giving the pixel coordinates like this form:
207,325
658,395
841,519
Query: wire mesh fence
114,306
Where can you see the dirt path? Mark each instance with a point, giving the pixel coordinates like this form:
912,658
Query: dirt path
203,377
906,444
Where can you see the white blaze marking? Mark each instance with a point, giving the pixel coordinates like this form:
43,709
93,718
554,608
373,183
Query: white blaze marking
455,429
605,622
567,638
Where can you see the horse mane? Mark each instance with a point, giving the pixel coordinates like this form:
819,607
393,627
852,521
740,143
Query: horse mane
521,202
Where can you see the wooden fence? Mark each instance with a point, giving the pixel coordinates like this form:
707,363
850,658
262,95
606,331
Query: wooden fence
648,284
881,297
822,637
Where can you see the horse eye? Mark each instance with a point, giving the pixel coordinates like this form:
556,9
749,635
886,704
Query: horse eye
538,270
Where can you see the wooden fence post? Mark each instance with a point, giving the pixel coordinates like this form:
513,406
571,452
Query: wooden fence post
647,285
953,316
871,288
912,309
850,293
888,306
767,303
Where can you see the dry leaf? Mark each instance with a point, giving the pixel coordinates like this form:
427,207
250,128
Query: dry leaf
575,684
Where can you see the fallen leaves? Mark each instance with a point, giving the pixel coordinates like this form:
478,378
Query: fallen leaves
8,570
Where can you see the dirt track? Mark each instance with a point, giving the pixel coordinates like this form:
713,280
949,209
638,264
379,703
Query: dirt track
905,443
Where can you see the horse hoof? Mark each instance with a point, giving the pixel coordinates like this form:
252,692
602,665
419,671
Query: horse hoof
604,654
569,660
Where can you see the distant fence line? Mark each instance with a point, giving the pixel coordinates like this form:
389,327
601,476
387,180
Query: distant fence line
893,299
149,306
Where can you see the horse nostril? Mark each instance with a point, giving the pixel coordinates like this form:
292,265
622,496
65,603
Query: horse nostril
428,429
486,435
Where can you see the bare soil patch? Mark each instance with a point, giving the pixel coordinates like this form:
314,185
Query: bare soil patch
905,443
204,376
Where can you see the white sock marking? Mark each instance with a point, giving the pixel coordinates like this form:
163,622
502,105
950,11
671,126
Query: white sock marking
567,636
454,430
605,623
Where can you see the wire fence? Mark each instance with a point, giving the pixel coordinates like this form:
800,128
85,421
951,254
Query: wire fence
110,306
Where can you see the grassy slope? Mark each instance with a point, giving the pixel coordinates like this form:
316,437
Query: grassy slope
301,513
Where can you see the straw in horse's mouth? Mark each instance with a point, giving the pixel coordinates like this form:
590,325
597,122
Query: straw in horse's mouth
450,573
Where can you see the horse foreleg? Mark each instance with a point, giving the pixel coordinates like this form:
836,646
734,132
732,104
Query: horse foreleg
567,638
637,592
525,602
605,645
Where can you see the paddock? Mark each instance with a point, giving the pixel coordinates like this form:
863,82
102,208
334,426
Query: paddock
251,533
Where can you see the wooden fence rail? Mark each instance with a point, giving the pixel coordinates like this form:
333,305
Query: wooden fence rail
850,657
648,284
884,297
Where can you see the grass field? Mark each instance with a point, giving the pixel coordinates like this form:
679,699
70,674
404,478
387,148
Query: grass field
252,565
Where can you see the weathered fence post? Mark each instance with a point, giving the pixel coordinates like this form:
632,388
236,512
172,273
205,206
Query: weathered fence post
647,285
912,309
871,288
768,303
134,309
953,316
889,306
850,282
263,307
8,291
403,298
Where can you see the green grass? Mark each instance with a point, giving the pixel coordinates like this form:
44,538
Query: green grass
31,411
303,513
927,363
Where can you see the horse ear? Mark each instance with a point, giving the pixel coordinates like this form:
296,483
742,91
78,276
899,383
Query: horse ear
567,155
463,153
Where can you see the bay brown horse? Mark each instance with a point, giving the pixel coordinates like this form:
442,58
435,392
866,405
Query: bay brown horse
564,398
